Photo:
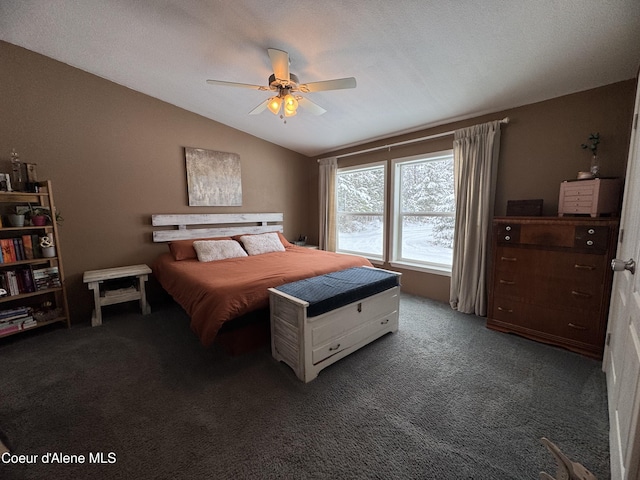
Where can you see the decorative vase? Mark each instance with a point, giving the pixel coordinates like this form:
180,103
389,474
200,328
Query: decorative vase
595,166
16,220
39,220
49,252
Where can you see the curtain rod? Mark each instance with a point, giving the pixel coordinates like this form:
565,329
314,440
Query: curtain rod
407,142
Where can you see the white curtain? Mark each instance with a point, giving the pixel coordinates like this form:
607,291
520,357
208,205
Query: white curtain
327,193
475,156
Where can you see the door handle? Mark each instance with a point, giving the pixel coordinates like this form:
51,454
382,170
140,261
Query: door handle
620,265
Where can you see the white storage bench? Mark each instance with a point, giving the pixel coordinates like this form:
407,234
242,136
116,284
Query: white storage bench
317,321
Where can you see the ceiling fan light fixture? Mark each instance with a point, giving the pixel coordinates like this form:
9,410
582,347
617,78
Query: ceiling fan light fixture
274,104
290,105
285,85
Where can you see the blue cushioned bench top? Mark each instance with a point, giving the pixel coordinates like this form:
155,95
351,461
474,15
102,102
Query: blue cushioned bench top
337,289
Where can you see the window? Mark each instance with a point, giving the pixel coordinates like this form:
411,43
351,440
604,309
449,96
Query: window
360,193
424,211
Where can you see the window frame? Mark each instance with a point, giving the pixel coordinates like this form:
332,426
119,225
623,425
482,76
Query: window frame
395,232
366,166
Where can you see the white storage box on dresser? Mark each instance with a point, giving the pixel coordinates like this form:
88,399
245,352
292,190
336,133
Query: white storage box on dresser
317,321
598,196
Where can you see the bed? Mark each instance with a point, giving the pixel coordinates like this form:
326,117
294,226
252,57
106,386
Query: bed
215,293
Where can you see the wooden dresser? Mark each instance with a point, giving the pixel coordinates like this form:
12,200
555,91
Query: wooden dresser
551,279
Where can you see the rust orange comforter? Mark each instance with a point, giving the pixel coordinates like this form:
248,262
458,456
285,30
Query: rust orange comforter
215,292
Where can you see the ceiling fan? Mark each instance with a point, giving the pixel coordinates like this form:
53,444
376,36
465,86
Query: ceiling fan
287,86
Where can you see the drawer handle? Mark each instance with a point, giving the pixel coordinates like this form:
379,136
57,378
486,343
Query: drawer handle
507,282
331,349
577,327
590,242
384,322
508,259
580,294
584,267
507,310
359,307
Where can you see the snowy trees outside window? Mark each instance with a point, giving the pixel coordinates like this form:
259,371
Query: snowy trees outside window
422,210
425,210
360,209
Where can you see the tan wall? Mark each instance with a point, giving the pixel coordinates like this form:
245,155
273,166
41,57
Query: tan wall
540,147
116,157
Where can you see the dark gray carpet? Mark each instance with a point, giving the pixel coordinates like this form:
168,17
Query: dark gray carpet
444,398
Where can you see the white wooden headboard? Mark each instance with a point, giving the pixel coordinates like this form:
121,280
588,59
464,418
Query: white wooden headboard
214,225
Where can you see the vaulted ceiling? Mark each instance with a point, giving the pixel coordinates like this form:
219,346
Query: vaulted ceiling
418,63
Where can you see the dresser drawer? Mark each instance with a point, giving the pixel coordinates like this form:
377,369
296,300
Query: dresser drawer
565,281
549,323
512,259
579,190
577,210
548,263
578,202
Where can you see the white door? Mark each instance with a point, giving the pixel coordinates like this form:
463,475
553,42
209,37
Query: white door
621,361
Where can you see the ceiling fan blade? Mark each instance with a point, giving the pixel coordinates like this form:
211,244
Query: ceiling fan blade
234,84
311,107
260,108
337,84
280,63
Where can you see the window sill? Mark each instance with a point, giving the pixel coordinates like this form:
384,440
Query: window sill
445,272
375,261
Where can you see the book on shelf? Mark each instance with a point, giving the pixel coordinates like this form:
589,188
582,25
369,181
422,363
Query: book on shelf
18,321
35,245
9,329
28,247
12,283
17,281
12,250
17,312
6,244
26,278
22,324
15,319
25,247
28,323
44,278
18,248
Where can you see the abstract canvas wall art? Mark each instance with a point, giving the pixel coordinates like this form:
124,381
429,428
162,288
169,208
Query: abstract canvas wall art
213,178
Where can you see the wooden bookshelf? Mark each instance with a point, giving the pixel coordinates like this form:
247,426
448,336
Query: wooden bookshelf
47,305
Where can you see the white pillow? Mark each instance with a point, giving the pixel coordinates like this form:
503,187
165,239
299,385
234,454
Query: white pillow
263,243
210,250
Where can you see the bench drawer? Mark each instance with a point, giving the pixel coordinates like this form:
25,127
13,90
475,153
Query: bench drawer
355,336
337,322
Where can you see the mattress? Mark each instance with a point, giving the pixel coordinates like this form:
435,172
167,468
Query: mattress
212,293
